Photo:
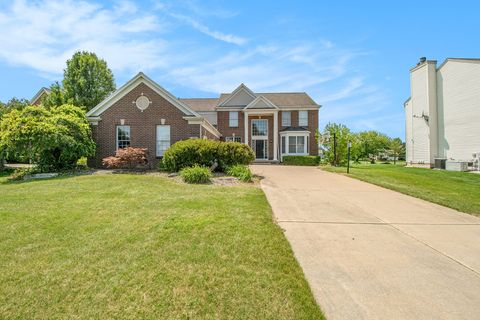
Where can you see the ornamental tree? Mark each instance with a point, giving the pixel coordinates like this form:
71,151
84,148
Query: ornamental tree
87,80
53,138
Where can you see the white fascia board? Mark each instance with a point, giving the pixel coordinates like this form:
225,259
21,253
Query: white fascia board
204,123
241,87
131,84
262,98
292,133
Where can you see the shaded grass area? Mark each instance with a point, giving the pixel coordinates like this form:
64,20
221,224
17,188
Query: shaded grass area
457,190
137,246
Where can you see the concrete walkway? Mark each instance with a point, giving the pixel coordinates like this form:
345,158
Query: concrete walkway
372,253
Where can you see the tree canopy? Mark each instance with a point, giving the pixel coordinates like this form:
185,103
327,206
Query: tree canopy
53,138
87,80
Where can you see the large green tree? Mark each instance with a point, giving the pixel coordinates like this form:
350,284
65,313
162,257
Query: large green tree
397,149
87,80
340,134
371,143
53,138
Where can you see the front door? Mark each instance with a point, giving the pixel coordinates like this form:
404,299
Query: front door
259,146
260,138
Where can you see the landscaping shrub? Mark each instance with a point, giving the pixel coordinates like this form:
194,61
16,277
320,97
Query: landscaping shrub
128,158
234,153
196,174
241,172
53,138
301,160
202,152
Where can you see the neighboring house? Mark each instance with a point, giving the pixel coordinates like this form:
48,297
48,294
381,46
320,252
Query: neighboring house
37,99
143,114
443,113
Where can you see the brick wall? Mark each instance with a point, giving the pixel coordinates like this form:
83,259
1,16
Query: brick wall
226,130
142,124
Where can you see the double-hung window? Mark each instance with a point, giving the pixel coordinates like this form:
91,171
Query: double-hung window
123,137
302,118
163,139
286,118
233,119
233,139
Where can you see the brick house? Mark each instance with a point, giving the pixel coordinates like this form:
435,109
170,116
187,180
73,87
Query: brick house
143,114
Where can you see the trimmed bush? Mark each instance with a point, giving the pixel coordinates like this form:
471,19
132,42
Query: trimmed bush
234,153
196,174
205,153
128,158
301,160
241,172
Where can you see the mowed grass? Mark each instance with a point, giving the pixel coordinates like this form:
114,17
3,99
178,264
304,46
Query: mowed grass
144,247
457,190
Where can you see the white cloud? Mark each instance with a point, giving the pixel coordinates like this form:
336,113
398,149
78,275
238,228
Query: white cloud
212,33
43,35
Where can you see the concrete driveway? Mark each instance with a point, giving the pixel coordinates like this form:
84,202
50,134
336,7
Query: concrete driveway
372,253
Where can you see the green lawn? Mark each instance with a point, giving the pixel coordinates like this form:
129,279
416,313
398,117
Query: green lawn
144,247
457,190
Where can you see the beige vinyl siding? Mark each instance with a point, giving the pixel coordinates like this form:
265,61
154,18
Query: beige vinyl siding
420,128
459,107
408,131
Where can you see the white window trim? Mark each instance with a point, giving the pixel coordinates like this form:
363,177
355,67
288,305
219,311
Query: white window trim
233,138
265,137
284,122
286,135
159,152
230,119
116,136
300,118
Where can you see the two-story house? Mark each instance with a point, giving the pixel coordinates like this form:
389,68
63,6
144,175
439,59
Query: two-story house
143,114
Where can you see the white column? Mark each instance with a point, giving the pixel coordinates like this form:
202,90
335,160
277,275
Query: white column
275,135
245,116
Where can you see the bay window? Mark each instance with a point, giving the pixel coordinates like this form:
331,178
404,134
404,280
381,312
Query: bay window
294,144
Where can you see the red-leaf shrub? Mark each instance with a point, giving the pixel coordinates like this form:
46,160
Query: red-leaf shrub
128,158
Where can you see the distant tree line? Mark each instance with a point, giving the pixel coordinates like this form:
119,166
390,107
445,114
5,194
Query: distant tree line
365,145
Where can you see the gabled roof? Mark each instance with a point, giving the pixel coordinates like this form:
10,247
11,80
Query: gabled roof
127,87
40,92
240,88
261,102
471,60
282,99
201,104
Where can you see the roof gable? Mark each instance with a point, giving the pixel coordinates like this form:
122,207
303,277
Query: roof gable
130,85
39,95
241,96
261,103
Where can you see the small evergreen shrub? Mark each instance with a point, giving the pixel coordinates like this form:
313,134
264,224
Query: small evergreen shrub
196,174
301,160
205,153
241,172
128,158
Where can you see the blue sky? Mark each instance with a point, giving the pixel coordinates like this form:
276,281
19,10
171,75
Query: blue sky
352,57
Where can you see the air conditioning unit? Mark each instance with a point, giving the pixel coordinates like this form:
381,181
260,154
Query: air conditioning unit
440,163
456,165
